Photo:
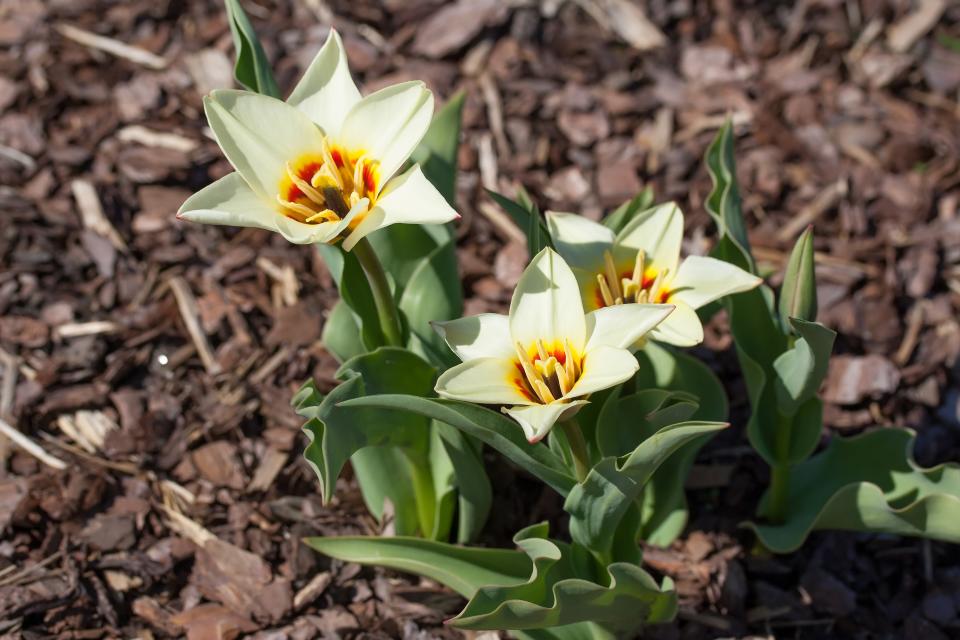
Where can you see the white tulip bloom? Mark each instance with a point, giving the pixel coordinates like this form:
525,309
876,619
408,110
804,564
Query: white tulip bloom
320,167
544,359
642,264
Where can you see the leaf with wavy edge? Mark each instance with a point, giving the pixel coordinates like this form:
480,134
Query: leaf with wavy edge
723,202
802,368
664,503
336,432
598,504
868,482
545,584
488,426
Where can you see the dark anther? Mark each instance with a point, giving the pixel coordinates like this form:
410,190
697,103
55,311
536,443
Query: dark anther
335,201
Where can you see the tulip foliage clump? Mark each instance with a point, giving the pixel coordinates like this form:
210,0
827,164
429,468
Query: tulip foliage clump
583,383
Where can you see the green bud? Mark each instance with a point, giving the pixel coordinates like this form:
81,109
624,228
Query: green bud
798,295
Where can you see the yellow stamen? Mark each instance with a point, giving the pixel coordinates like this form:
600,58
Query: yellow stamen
528,369
562,378
570,364
638,268
541,349
613,280
604,290
327,215
296,207
543,391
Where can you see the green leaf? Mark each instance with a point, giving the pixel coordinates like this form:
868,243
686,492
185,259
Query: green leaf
565,587
337,431
433,293
723,203
801,369
798,294
462,569
437,152
626,212
401,248
664,503
341,335
470,478
383,473
252,68
598,504
867,482
355,293
626,421
547,589
488,426
528,218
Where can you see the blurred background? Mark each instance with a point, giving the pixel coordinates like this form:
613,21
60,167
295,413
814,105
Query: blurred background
151,362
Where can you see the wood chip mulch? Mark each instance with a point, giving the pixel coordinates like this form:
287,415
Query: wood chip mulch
150,362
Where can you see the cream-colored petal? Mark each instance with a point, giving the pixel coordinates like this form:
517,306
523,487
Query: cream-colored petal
546,304
537,420
604,367
682,328
580,241
389,124
259,135
326,92
409,198
701,280
483,381
622,325
659,232
229,201
482,336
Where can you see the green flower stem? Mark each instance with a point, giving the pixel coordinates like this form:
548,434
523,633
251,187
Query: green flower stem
780,471
423,492
386,307
578,448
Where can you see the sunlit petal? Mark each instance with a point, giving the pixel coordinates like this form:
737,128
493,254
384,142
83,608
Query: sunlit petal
682,328
659,233
326,92
408,198
623,325
482,336
580,241
537,420
259,135
604,367
389,124
701,280
229,201
484,381
546,304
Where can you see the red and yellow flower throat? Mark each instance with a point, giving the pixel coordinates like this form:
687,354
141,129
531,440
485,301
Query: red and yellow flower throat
545,372
644,283
324,186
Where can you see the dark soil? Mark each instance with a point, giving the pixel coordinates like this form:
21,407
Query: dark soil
185,343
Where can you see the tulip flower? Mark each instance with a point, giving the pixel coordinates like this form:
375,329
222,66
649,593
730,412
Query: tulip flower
320,167
641,264
543,360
